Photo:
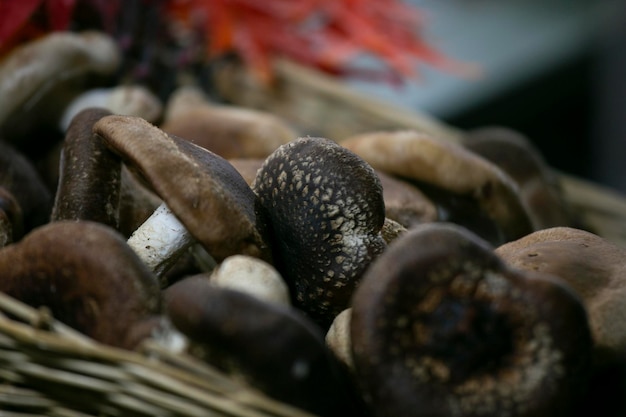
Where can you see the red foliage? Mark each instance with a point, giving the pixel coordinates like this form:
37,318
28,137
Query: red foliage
323,34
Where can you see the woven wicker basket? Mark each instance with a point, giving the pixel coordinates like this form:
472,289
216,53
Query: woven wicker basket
49,369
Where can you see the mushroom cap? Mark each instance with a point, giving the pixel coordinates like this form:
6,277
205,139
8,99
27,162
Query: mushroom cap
19,176
87,275
326,211
441,326
592,266
405,203
203,190
89,174
274,347
11,218
448,166
229,131
30,72
517,156
127,100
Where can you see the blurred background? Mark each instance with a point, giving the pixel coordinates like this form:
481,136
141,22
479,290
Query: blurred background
553,69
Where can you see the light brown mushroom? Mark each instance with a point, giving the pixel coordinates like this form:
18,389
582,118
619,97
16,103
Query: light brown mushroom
594,267
229,131
450,167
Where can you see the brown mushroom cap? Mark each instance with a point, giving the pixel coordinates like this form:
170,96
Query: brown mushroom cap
517,156
43,75
229,131
89,174
21,179
441,327
87,275
405,203
11,218
419,157
326,212
594,267
274,347
202,189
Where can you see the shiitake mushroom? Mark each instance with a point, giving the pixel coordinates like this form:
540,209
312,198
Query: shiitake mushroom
442,327
87,276
326,210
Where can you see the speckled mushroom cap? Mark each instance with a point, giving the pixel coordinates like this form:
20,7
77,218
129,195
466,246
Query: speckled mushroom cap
273,347
326,212
594,267
229,131
420,157
516,155
441,327
202,189
88,277
89,174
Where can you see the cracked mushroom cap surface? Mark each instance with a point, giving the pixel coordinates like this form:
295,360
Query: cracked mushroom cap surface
448,166
203,190
442,327
326,211
594,267
88,277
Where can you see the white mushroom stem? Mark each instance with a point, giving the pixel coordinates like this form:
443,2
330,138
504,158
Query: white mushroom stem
160,240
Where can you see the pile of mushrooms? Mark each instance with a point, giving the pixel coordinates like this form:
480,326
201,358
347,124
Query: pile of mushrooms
387,274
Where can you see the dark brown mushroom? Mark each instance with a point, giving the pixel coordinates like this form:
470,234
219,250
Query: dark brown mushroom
89,174
11,218
203,195
21,179
438,165
326,212
273,347
87,276
442,327
539,186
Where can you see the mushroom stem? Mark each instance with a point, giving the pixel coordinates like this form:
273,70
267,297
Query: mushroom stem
160,240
